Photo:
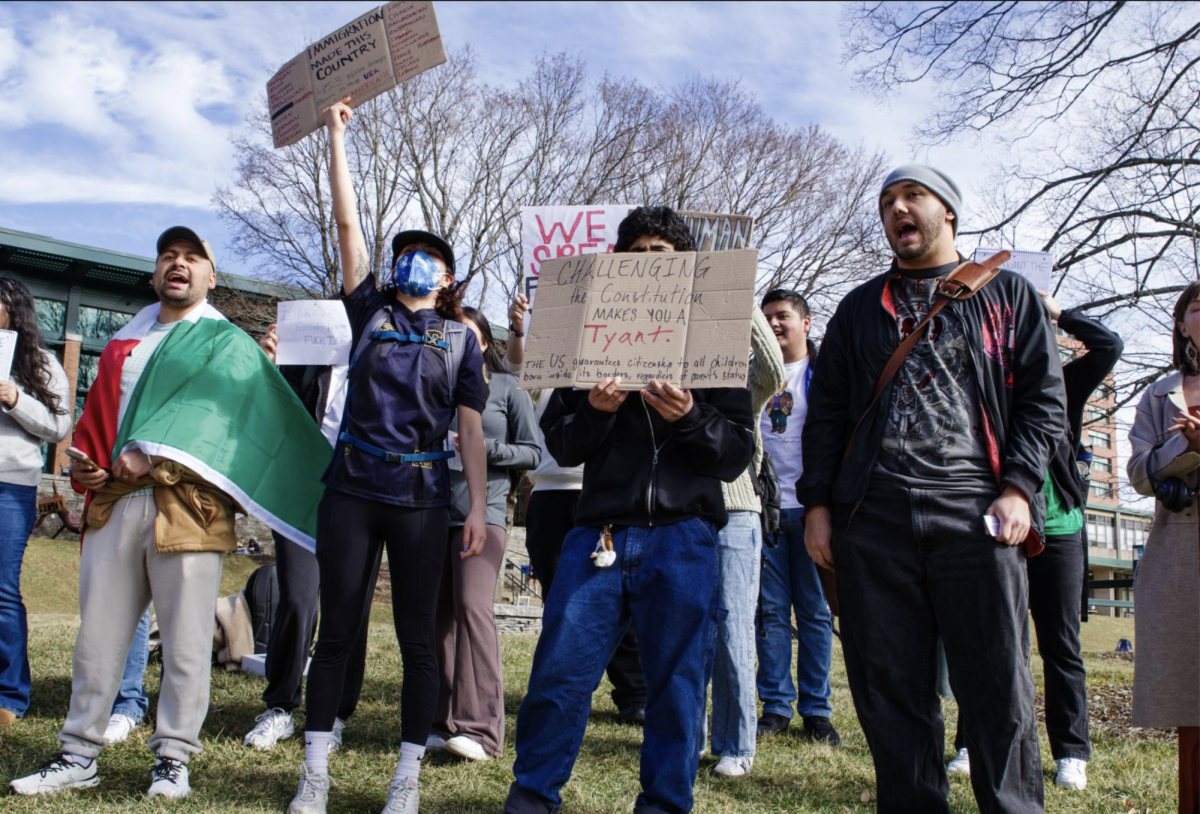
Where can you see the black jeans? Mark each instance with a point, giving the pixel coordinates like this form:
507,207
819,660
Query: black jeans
915,564
549,520
351,535
293,628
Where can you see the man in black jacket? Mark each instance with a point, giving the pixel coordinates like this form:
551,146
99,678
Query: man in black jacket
653,464
964,430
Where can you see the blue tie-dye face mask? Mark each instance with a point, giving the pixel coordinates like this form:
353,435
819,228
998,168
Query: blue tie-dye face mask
416,274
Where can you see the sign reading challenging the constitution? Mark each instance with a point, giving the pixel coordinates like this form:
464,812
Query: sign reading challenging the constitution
362,59
682,318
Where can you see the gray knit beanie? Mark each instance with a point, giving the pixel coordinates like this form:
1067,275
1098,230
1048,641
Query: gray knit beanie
934,180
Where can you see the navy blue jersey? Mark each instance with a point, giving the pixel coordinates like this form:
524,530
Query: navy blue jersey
399,400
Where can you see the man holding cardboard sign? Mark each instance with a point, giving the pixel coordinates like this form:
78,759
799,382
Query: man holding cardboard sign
643,551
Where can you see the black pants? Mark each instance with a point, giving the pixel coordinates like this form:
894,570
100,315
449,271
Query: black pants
351,535
549,520
293,627
915,564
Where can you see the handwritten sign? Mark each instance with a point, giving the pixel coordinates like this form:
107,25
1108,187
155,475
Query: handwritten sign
714,232
313,332
8,347
369,56
564,231
682,318
1033,266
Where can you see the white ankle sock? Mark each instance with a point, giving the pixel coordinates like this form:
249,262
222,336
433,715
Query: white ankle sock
316,751
410,761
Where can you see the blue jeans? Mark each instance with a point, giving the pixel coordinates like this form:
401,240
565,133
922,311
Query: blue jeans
665,582
131,698
739,547
18,510
789,581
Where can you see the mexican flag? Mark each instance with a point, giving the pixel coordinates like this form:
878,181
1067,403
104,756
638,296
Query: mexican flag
210,399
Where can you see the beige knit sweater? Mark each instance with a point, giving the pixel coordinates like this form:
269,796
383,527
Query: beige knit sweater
767,375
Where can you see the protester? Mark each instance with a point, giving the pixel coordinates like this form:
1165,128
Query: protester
739,555
549,518
789,576
158,515
653,465
1165,440
965,431
413,368
1058,576
35,407
322,389
469,721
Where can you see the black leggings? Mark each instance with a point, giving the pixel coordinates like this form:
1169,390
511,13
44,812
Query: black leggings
351,533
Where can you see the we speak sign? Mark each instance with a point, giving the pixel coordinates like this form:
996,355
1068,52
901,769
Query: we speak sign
548,232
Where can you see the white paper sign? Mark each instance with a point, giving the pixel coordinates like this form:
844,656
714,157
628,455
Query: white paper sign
8,346
454,463
564,231
1033,266
313,332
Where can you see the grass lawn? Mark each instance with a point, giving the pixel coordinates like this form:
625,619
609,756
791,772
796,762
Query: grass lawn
1130,769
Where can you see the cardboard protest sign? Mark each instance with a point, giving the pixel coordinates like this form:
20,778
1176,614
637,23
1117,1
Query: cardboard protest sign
362,59
1033,266
312,332
715,232
682,318
8,348
564,231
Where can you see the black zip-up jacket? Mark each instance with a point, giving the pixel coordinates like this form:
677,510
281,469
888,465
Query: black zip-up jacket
625,483
1017,372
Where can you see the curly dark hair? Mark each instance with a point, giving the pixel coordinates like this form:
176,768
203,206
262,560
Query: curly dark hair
493,360
658,221
30,368
1179,342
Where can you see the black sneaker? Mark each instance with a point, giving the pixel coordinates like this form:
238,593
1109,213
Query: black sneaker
772,724
820,729
635,715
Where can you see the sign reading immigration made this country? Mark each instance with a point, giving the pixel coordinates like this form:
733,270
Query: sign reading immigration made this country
682,318
362,59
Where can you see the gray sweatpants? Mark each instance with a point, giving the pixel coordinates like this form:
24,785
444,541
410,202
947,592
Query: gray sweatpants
118,575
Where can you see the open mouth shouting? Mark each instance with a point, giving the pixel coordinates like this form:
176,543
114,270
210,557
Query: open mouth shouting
176,280
906,231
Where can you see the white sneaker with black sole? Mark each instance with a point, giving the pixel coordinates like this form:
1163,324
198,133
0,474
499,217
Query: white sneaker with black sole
169,778
272,726
60,774
1072,773
312,794
733,766
119,728
961,764
404,797
467,748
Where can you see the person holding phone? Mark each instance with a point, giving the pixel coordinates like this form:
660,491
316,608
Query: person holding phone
34,409
414,367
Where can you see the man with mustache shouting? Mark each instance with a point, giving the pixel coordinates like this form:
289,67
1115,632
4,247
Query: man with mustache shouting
927,519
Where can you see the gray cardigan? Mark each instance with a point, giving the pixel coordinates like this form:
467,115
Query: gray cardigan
511,433
26,426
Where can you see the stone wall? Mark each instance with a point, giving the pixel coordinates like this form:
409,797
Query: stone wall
518,618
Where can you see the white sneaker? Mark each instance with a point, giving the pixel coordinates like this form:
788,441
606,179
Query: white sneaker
1072,773
336,743
169,779
312,794
403,797
119,728
733,766
59,774
272,726
467,748
961,763
436,743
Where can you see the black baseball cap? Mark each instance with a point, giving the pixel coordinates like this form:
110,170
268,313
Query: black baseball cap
418,236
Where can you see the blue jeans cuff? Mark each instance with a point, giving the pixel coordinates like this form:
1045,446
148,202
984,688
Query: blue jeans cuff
782,712
816,712
132,713
20,713
733,754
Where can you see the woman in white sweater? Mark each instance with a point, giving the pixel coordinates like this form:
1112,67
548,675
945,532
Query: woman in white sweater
34,407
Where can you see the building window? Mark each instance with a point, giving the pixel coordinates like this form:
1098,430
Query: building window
1102,465
100,324
51,317
1133,533
1101,530
1099,440
1100,489
1095,414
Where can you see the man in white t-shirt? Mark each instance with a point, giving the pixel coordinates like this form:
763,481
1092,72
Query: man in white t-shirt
789,577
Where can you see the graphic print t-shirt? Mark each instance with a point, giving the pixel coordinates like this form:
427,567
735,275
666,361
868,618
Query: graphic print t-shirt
934,434
781,423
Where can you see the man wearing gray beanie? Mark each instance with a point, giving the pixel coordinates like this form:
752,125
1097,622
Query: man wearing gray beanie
927,518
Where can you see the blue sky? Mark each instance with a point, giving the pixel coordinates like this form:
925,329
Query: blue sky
118,115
